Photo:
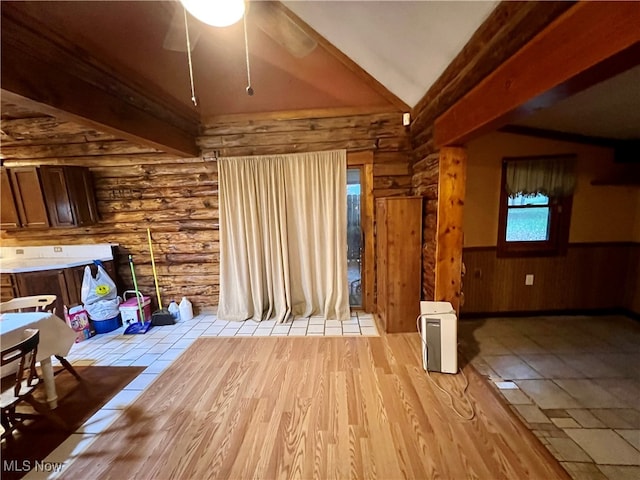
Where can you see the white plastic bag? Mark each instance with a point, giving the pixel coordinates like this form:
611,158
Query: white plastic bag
99,288
103,309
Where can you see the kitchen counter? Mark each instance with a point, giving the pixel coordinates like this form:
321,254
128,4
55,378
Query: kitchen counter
35,259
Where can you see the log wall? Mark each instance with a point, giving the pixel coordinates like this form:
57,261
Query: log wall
139,187
510,26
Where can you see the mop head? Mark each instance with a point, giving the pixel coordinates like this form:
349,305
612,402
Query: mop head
162,317
138,328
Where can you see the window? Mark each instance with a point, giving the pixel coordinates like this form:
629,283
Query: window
535,205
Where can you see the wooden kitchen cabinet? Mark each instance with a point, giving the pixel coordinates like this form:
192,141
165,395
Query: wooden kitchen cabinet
45,282
47,196
9,211
7,287
28,197
399,262
68,192
65,283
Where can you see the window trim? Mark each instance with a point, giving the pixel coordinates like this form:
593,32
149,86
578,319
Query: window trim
560,209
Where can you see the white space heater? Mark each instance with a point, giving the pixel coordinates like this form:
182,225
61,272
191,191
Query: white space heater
439,332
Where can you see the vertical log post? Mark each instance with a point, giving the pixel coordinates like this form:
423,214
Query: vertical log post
451,192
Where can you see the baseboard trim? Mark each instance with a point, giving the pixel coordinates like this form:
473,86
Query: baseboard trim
541,313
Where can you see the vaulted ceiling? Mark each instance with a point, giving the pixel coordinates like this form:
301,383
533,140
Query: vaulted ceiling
125,62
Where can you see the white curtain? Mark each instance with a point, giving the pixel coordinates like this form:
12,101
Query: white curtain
552,176
283,238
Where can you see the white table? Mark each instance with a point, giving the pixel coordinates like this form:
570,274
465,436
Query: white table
56,338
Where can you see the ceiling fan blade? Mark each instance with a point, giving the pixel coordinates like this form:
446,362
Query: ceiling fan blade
175,39
272,20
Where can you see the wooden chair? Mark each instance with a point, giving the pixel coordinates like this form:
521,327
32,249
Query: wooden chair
37,303
21,389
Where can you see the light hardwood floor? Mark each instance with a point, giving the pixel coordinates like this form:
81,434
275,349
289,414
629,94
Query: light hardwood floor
311,408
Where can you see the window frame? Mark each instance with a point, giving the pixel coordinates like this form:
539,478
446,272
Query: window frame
560,211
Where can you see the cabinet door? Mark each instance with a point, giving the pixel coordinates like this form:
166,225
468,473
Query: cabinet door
381,263
7,287
54,185
28,195
81,195
47,282
9,214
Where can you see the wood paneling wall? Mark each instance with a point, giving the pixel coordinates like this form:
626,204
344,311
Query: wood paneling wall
510,26
589,276
139,187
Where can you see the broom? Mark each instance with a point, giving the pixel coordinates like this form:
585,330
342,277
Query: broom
140,327
162,316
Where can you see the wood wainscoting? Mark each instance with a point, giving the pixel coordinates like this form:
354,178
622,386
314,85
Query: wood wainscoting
591,276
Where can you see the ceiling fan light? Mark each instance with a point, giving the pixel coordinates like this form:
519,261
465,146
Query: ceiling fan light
217,13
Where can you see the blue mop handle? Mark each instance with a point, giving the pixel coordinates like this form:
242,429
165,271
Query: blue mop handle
135,287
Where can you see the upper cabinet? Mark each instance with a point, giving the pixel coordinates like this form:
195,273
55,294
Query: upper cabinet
27,198
69,196
47,196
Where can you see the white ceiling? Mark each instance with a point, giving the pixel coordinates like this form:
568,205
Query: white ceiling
610,109
405,45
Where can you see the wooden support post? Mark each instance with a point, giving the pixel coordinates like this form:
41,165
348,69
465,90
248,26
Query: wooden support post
451,192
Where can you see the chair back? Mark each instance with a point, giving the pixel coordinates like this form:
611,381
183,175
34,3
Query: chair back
25,353
34,303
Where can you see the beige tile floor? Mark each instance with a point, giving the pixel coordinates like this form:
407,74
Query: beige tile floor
574,381
159,348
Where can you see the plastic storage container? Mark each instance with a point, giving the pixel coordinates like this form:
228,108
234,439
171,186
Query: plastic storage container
174,310
129,308
186,310
106,326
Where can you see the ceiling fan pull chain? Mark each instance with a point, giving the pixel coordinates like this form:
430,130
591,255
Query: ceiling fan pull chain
246,51
186,31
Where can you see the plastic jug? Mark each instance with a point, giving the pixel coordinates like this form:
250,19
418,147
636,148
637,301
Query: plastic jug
186,309
174,310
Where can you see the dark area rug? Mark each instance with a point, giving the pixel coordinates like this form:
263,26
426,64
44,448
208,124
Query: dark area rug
77,401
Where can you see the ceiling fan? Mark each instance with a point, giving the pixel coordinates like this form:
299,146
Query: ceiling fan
271,17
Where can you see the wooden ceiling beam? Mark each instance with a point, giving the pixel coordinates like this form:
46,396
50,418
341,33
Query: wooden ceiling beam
589,43
65,81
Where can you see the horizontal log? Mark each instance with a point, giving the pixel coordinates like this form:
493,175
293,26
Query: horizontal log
428,191
248,126
391,192
149,218
391,169
151,170
76,149
430,163
425,149
154,204
142,248
162,192
177,271
391,182
57,140
391,157
349,145
42,127
105,160
424,179
305,136
151,182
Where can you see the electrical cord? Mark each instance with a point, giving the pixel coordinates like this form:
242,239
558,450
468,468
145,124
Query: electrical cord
448,395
